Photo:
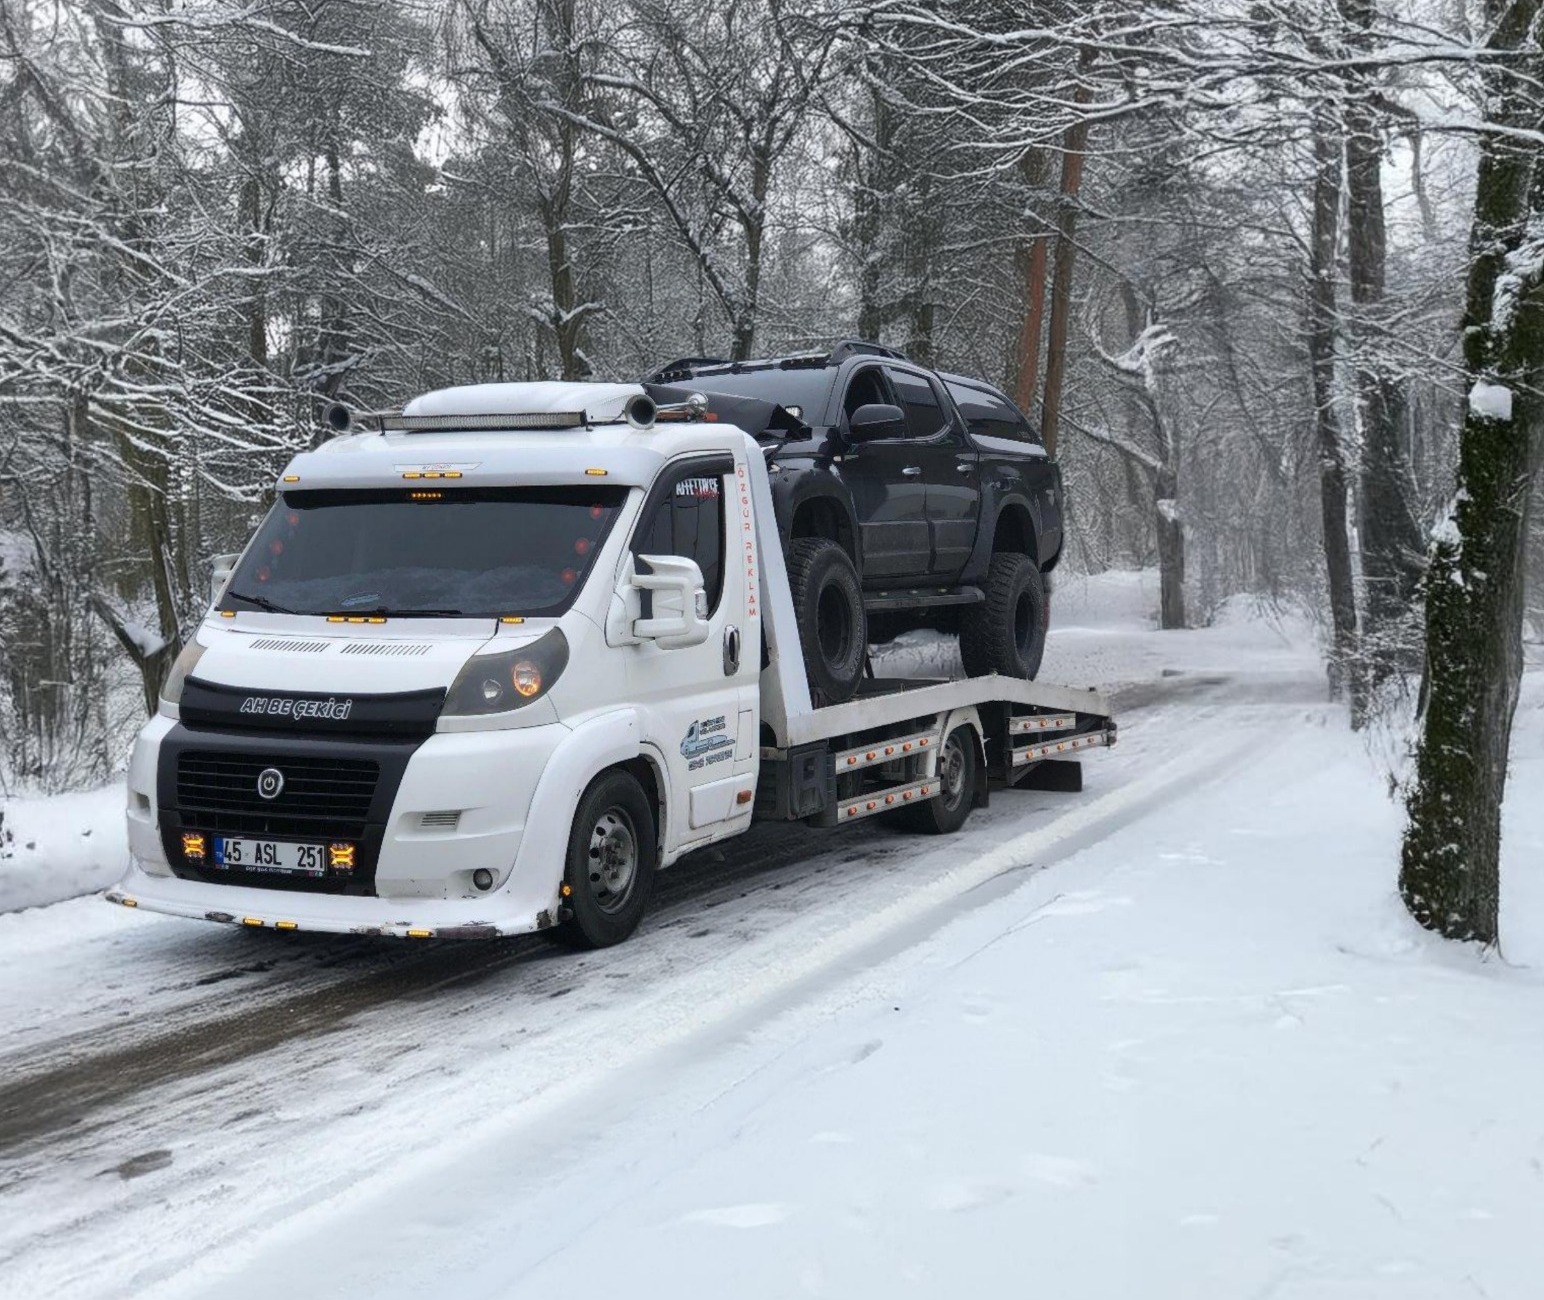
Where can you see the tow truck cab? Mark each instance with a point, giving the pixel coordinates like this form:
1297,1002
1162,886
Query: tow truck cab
433,642
485,666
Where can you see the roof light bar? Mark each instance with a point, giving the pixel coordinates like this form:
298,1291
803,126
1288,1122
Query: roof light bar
463,423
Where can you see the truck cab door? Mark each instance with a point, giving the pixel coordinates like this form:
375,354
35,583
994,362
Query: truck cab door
889,492
698,702
938,447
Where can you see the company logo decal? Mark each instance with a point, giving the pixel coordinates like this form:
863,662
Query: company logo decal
707,741
273,706
270,783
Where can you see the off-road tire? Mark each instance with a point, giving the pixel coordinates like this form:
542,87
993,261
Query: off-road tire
959,759
613,806
1006,632
828,607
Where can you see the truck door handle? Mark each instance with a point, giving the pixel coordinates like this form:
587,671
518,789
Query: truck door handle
912,470
965,467
731,651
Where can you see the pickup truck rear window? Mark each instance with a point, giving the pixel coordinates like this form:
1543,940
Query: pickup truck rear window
454,553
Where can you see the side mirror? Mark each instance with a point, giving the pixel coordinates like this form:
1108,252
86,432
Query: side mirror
680,615
220,569
877,420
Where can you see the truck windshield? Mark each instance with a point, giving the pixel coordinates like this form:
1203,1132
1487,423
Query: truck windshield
452,552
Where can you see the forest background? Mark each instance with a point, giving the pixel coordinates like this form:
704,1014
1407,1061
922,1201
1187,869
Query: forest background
1217,249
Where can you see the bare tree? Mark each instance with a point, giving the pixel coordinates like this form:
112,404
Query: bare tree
1450,867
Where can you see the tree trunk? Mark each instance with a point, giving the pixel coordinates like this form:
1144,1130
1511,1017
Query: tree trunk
1171,549
1392,546
1450,867
1066,259
1031,259
1344,677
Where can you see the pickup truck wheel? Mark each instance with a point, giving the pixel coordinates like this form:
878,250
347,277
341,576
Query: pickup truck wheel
611,862
1006,632
828,607
958,758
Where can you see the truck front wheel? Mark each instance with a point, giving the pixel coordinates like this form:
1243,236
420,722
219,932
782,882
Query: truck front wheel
611,863
828,607
1005,633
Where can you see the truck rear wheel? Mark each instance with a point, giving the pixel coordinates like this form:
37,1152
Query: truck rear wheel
611,863
958,769
1006,632
828,607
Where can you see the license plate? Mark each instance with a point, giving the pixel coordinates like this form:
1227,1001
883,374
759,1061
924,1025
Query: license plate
270,855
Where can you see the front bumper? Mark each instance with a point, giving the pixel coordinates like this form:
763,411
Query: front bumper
460,806
487,917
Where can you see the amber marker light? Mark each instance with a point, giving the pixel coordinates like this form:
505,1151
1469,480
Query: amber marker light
256,922
292,478
597,473
340,857
193,846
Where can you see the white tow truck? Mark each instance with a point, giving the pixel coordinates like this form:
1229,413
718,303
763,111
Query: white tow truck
491,660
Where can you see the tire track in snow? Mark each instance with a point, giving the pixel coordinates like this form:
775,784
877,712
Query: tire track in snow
79,1080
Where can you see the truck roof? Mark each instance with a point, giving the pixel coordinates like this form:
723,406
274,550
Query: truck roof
601,448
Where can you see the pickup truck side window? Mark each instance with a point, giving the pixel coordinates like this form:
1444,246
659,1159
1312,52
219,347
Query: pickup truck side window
686,517
867,388
927,415
990,416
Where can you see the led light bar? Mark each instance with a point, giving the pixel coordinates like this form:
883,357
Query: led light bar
471,423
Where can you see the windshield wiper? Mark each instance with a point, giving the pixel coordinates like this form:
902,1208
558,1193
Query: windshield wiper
262,602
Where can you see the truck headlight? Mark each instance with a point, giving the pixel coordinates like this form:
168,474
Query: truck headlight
509,680
171,688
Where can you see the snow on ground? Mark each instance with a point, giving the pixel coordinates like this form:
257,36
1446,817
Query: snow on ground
60,846
1172,1037
1104,633
1207,1056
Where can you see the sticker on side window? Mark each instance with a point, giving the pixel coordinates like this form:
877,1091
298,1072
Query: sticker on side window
699,488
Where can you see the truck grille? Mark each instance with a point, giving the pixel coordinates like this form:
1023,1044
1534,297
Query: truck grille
328,797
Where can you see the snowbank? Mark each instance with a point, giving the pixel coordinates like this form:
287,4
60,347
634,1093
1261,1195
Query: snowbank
61,846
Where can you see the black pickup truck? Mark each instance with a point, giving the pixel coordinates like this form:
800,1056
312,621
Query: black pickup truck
907,498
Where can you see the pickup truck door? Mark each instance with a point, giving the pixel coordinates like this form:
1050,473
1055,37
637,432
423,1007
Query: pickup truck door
948,467
699,701
889,493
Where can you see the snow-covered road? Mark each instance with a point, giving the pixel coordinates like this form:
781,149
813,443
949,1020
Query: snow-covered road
1171,1037
169,1088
